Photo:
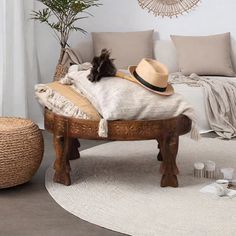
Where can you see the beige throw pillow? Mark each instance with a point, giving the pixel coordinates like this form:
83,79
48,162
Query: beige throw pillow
204,55
127,48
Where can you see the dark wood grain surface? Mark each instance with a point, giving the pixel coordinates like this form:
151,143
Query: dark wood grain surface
67,130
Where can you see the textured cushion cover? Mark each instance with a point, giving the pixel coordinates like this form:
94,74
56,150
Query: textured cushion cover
64,100
204,55
118,99
128,48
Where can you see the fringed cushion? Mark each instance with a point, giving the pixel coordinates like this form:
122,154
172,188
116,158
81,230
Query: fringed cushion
64,100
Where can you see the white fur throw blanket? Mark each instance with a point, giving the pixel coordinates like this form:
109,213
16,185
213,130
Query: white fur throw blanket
220,101
118,99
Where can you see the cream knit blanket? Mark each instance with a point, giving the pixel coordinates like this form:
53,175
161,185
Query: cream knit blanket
220,101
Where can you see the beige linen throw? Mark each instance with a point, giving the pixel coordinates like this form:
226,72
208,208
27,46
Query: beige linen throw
220,101
117,99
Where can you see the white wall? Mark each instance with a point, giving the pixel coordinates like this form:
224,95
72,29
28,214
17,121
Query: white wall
212,16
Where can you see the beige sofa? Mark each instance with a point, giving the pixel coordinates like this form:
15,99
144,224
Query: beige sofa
165,52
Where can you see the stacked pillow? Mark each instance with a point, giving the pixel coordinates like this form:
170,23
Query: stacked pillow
127,48
203,55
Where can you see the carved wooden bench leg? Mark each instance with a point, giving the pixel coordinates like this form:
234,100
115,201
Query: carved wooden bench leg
169,149
62,165
159,157
74,151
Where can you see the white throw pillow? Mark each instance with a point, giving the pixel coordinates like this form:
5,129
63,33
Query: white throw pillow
118,99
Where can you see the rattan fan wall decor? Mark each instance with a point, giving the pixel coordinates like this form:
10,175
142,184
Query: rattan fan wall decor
168,8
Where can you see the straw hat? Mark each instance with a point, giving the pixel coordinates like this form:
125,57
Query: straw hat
152,75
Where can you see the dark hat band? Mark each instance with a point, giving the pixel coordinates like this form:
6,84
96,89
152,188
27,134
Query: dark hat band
148,85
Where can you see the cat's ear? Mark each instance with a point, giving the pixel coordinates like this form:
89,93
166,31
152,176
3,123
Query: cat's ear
105,54
104,51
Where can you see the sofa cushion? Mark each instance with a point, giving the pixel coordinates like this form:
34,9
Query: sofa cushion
127,48
204,55
233,52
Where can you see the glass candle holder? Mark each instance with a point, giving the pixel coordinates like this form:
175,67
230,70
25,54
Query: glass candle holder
210,169
228,173
199,169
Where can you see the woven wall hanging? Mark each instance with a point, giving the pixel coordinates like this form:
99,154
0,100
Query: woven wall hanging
168,8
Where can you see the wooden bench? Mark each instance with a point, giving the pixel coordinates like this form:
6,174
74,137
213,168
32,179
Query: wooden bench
66,132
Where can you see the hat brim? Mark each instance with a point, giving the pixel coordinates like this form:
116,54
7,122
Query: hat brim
169,90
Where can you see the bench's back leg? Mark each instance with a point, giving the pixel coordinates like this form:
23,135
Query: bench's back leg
169,148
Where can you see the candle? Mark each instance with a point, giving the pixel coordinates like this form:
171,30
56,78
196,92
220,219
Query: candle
199,169
210,169
228,173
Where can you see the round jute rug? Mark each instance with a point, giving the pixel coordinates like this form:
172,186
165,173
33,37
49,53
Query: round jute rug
117,186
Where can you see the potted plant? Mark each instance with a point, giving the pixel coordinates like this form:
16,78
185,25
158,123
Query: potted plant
61,16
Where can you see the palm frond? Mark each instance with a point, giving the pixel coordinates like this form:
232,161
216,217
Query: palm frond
65,14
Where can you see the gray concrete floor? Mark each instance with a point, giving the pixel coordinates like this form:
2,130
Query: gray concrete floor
28,210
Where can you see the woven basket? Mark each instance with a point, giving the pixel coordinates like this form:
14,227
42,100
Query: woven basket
60,72
21,151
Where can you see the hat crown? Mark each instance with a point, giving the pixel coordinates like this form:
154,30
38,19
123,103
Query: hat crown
153,72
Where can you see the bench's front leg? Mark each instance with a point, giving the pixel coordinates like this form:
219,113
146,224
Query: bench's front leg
159,157
62,168
74,151
169,148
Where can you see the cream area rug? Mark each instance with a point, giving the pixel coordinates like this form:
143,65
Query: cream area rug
117,186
